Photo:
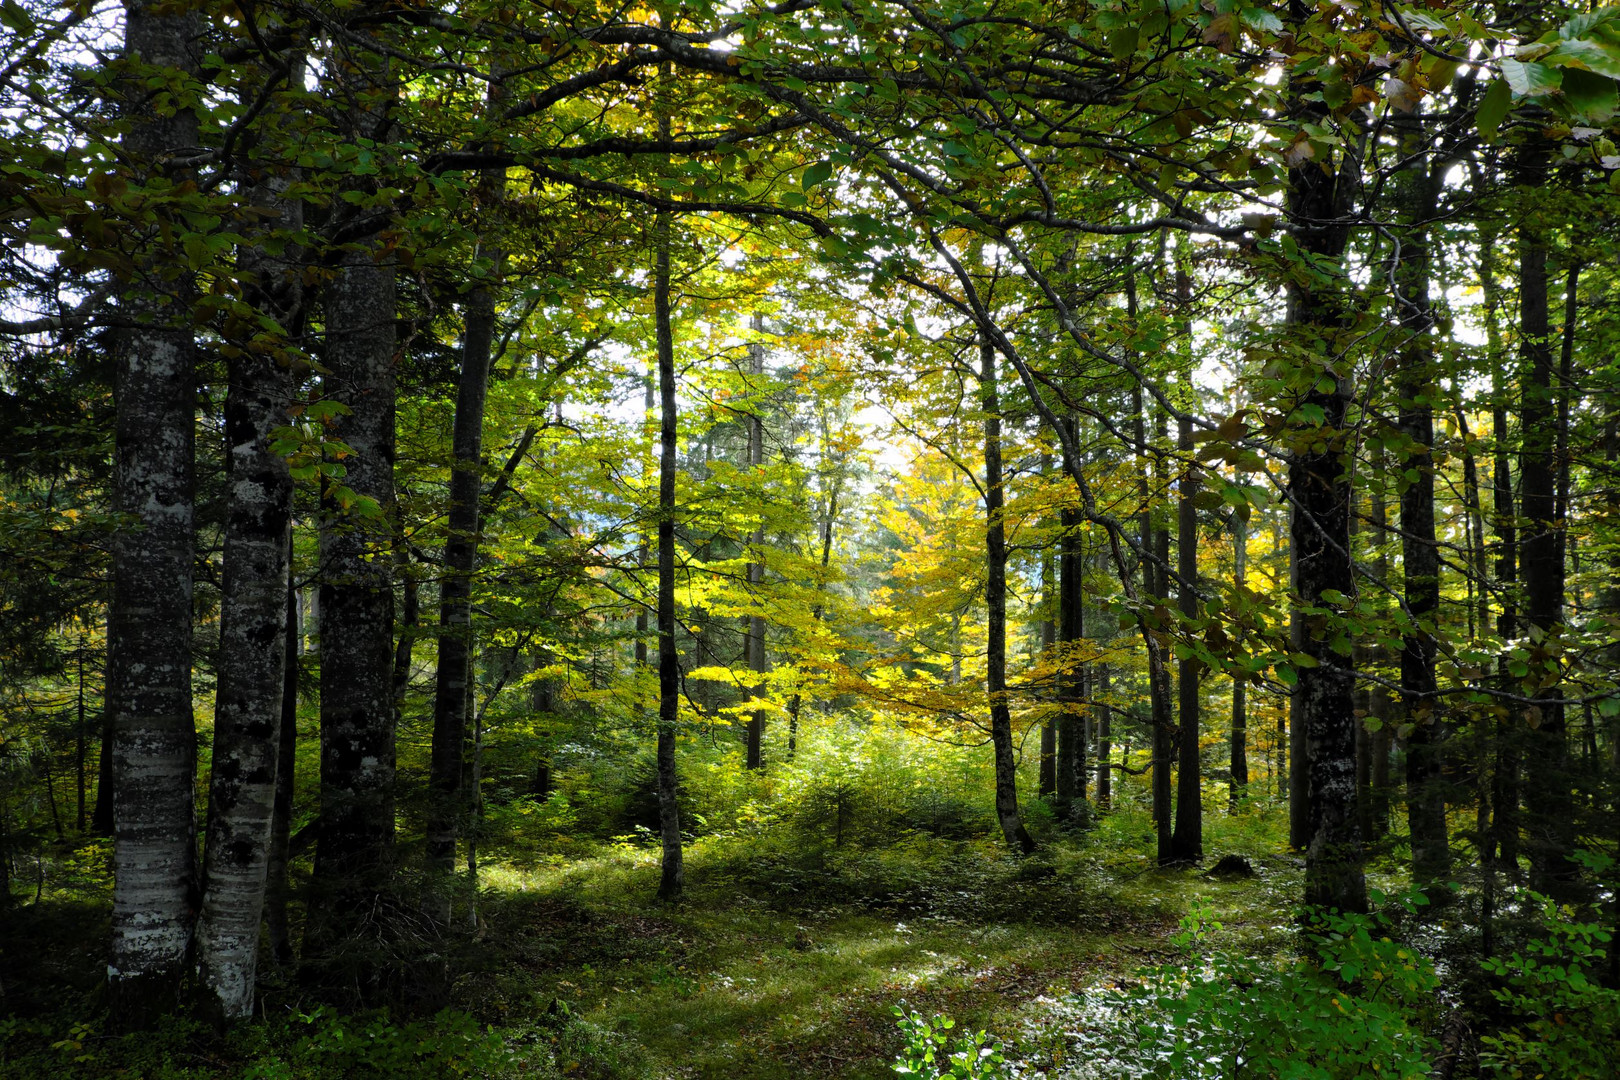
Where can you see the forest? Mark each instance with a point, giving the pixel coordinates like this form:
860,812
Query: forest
818,538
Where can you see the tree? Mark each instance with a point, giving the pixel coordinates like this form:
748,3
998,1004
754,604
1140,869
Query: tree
149,617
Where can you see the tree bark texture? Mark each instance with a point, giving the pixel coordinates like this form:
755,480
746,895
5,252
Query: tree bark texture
252,680
1416,385
453,678
1240,713
1187,842
1320,493
754,758
995,537
354,852
672,880
277,931
1549,807
149,619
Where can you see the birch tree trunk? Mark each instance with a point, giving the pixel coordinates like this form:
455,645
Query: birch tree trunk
148,692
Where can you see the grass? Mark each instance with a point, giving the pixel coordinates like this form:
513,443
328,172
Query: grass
785,962
784,959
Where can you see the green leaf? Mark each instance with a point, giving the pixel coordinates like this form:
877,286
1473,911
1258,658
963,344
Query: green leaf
815,175
1493,109
1594,97
1531,79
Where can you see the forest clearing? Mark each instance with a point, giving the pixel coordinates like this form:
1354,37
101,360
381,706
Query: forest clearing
831,538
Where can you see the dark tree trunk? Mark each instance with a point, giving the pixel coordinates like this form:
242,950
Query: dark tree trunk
673,877
1105,740
1505,777
1320,492
1187,842
1549,806
995,537
756,564
1071,628
148,696
1165,739
452,682
80,738
1048,773
1379,704
1417,387
1240,712
354,854
277,931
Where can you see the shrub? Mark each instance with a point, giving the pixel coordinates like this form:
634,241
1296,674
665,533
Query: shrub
932,1053
1563,1020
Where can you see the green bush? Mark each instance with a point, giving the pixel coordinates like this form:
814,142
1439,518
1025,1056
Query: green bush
1357,1005
1564,1022
933,1053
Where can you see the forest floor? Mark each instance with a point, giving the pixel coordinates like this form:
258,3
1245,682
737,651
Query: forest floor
785,958
788,963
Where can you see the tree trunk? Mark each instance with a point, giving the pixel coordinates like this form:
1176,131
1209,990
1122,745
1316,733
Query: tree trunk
1320,493
354,854
275,894
1549,806
1187,843
673,877
1417,388
1505,779
1048,773
1240,712
252,668
448,806
1165,739
756,564
1105,743
1071,628
148,696
995,540
252,680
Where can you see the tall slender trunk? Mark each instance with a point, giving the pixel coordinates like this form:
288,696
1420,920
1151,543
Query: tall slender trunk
453,680
277,932
1048,773
148,696
1320,493
80,739
1549,806
252,668
995,542
354,852
1416,384
1071,628
673,877
1504,524
1240,712
1187,842
756,564
252,681
1165,734
1105,740
817,613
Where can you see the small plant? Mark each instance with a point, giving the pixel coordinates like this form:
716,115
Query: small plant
932,1053
1566,1017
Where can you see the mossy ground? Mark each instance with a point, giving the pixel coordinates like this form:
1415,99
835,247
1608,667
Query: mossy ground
784,959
